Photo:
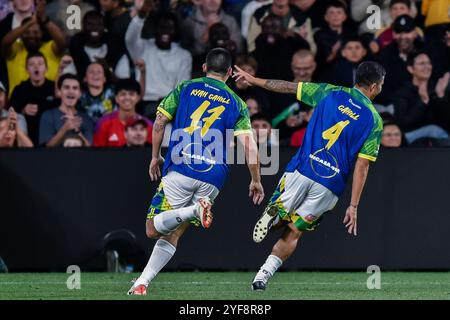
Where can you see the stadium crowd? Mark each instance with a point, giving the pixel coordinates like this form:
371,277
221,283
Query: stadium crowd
100,85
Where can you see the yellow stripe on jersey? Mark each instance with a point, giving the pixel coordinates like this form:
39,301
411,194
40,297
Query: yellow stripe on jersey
365,156
239,132
164,112
299,91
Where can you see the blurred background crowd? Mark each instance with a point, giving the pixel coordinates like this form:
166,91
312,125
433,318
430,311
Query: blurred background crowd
99,83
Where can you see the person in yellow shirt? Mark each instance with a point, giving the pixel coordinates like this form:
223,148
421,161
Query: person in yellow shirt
28,37
436,12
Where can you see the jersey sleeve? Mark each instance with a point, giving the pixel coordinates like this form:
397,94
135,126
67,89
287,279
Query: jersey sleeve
371,146
243,124
311,93
169,105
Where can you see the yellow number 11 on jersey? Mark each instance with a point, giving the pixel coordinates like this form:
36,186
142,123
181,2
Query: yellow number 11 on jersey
333,133
196,118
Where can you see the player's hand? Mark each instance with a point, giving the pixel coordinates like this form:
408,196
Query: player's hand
154,171
256,192
350,220
241,75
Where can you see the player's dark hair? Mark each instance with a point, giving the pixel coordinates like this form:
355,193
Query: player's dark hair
368,73
35,54
219,61
65,77
405,2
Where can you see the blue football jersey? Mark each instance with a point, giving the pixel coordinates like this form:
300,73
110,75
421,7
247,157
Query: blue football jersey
203,112
344,126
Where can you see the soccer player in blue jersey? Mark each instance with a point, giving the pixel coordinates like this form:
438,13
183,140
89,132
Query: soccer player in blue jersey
195,168
345,130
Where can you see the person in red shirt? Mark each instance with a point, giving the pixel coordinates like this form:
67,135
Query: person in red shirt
297,137
110,130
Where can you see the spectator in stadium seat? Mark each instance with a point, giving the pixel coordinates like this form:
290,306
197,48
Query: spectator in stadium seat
262,129
34,96
330,39
93,44
440,53
392,136
243,90
167,63
254,105
247,14
360,15
303,118
10,133
343,71
286,108
72,140
57,122
20,9
437,18
393,57
384,36
97,99
294,22
57,11
136,133
314,9
417,102
4,113
218,37
196,26
110,130
30,33
273,51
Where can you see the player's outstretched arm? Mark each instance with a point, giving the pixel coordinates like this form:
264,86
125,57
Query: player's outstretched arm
359,179
157,137
256,190
271,85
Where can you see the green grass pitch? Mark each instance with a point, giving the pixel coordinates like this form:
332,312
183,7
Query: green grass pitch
229,286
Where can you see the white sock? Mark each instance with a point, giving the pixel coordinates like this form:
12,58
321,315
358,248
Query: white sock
170,220
162,252
268,268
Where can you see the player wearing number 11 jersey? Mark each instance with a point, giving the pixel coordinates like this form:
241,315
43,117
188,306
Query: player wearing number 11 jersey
345,128
195,169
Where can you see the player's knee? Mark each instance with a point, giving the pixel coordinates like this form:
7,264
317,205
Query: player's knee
294,233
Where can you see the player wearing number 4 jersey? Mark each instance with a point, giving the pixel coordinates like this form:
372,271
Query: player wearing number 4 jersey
345,128
195,169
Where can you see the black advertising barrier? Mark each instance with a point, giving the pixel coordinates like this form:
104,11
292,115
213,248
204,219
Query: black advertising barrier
56,205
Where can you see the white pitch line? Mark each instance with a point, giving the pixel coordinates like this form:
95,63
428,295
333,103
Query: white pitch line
219,283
